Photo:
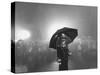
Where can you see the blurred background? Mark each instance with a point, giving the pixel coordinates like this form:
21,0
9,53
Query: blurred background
36,23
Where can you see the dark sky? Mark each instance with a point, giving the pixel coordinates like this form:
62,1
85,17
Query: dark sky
40,19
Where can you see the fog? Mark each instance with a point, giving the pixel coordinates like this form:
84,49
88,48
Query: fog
42,20
38,57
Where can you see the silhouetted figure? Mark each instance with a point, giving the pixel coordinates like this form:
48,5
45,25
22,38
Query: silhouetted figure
62,51
60,41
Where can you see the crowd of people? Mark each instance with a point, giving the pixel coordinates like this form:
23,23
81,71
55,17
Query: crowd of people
31,56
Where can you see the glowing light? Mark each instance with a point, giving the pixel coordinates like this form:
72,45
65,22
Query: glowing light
52,29
22,35
58,24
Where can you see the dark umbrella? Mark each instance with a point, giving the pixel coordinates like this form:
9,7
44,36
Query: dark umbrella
71,33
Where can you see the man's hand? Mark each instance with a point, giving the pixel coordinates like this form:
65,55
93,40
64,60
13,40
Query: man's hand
58,60
69,53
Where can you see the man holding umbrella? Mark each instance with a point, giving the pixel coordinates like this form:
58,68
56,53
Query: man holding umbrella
60,41
62,51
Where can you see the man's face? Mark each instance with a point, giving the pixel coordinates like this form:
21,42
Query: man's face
63,43
65,40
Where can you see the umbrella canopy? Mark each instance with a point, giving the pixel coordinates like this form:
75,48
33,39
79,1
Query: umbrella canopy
69,32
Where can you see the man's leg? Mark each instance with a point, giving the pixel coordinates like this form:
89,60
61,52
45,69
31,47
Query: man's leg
64,64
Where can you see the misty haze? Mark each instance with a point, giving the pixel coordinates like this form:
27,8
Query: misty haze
35,23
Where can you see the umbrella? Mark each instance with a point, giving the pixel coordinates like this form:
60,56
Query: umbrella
69,32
